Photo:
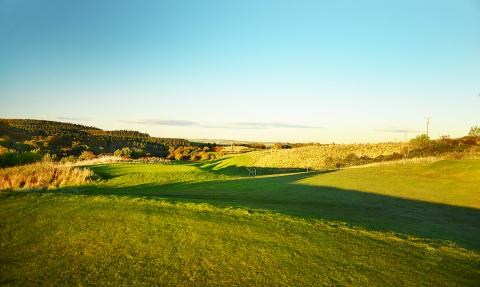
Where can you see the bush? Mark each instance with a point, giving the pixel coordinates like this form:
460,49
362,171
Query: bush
281,146
178,156
333,163
137,153
455,155
170,156
194,157
258,146
206,156
8,159
218,148
118,153
193,153
420,142
49,157
254,145
125,152
474,131
86,155
68,159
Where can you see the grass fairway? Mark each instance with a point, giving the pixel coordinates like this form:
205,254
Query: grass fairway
211,224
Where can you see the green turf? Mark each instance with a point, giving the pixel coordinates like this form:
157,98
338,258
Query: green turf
174,224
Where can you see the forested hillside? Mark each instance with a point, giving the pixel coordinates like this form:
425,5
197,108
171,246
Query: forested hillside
66,139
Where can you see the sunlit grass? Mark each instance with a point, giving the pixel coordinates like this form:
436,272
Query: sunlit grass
43,175
212,224
70,240
313,156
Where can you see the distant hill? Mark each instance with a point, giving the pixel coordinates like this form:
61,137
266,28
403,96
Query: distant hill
229,142
64,139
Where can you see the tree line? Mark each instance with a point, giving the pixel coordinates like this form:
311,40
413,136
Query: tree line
23,141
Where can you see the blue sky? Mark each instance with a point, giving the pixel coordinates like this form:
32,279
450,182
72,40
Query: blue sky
325,71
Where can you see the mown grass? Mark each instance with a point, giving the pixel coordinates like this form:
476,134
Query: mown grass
72,240
438,200
212,224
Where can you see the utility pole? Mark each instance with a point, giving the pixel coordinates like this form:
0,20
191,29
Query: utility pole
428,123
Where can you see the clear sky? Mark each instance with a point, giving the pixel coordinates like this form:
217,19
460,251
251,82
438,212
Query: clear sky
325,71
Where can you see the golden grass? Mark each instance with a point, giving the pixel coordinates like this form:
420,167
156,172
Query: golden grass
43,175
236,149
314,156
98,160
405,161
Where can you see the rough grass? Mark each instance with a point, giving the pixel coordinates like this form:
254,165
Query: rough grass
43,175
211,224
314,156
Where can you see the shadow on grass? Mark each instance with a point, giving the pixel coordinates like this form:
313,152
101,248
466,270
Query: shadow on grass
234,170
282,193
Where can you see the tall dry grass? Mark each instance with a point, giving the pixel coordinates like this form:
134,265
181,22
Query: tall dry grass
406,161
42,175
314,156
99,160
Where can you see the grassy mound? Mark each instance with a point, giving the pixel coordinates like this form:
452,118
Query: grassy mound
346,155
313,156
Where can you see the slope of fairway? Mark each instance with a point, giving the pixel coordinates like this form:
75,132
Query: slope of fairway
438,200
212,224
52,239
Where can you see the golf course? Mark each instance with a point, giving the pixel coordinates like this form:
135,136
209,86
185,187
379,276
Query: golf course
211,223
239,143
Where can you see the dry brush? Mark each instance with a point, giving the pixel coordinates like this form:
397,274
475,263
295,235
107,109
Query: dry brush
43,175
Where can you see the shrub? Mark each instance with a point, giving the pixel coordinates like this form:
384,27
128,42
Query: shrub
68,159
137,153
469,140
171,156
254,145
281,146
192,153
474,131
194,157
178,156
257,146
125,152
420,142
205,156
455,155
49,157
333,163
8,159
86,155
218,148
118,153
